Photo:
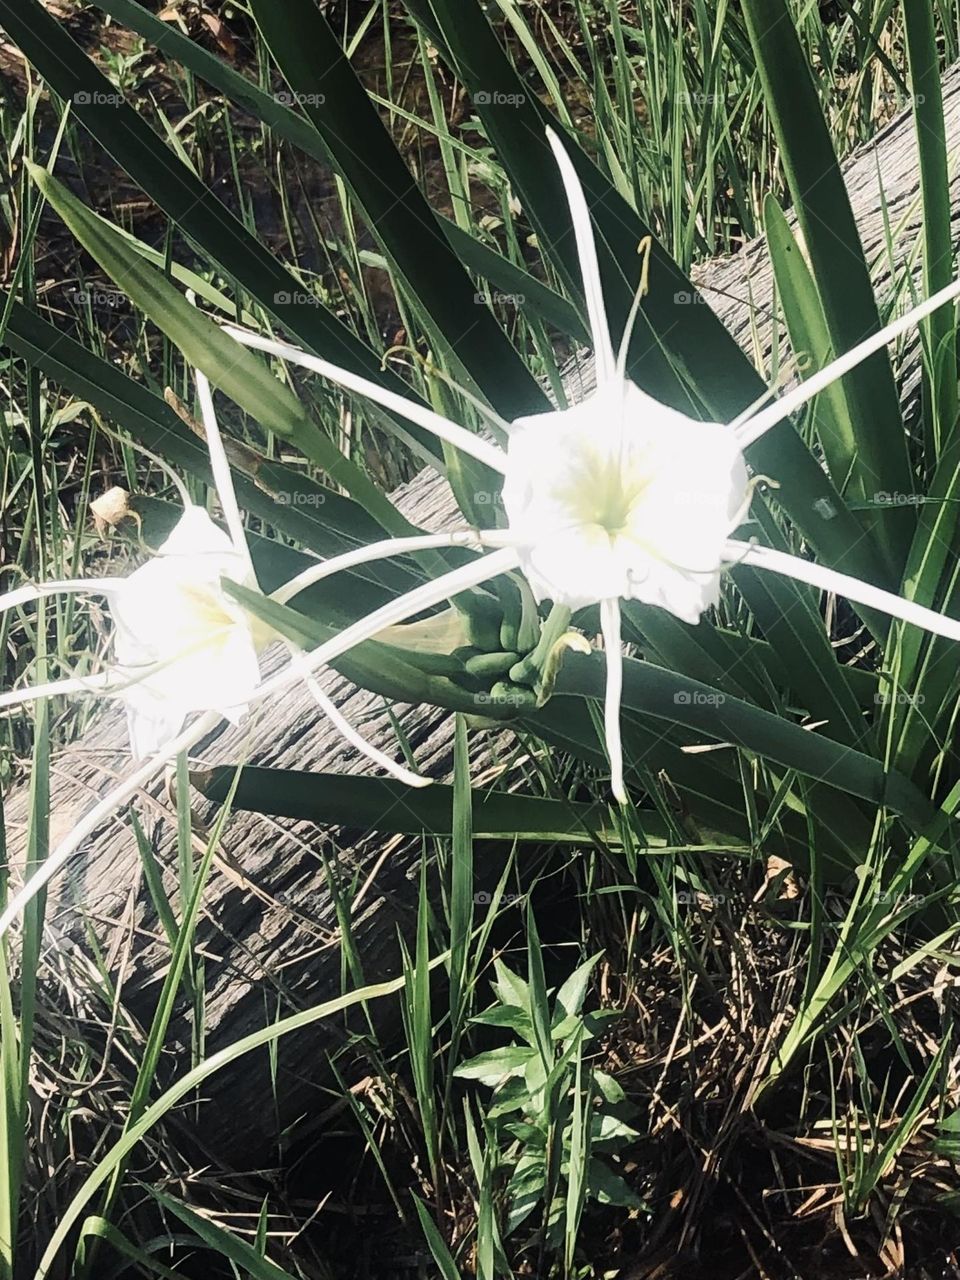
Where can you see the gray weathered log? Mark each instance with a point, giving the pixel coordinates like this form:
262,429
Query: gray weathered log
269,931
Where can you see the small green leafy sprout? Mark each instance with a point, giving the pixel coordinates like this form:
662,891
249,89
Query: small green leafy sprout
554,1121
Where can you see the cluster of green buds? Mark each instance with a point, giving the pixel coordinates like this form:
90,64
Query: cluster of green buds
491,656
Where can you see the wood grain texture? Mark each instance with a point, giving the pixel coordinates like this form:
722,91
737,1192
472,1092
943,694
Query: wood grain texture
269,932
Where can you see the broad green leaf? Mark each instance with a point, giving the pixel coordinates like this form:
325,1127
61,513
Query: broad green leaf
496,1065
839,268
235,370
607,1187
569,999
323,81
384,804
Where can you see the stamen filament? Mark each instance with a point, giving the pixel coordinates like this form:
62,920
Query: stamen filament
99,682
38,590
384,550
347,731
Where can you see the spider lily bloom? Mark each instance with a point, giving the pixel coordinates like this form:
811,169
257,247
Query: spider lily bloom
184,645
623,498
407,606
181,643
629,539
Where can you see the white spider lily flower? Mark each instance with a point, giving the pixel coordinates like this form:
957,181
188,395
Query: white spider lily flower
617,498
620,497
181,634
181,643
623,498
305,665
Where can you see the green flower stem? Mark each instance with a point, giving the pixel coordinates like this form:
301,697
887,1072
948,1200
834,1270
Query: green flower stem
528,669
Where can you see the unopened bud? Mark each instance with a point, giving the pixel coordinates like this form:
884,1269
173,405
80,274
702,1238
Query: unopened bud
110,508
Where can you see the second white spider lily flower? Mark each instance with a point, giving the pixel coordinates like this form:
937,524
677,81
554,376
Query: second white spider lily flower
302,667
182,644
623,498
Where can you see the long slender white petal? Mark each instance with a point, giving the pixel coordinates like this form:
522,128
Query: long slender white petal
399,610
405,606
220,467
441,427
853,589
101,682
755,427
604,359
36,590
384,550
347,731
103,809
610,626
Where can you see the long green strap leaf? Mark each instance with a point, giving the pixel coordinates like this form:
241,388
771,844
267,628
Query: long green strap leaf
129,139
362,152
722,718
230,366
537,298
839,267
316,517
940,380
382,804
